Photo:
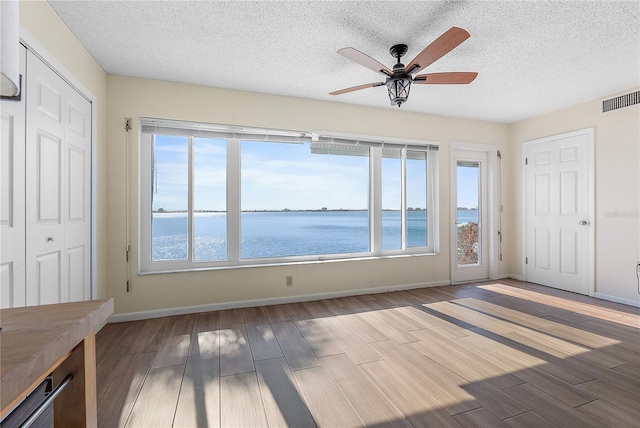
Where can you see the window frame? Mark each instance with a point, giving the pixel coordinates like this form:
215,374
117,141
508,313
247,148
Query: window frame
233,202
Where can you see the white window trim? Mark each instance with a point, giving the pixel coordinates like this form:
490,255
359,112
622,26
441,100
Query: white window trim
147,266
234,198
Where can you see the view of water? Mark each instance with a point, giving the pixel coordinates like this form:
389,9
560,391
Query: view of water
467,216
282,234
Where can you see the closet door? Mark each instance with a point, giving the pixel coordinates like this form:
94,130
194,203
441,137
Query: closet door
77,185
12,200
57,188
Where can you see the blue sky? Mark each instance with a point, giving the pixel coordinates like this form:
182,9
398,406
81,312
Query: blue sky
467,187
278,176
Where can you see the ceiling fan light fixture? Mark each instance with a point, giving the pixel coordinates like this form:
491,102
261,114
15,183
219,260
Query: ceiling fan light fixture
399,79
398,89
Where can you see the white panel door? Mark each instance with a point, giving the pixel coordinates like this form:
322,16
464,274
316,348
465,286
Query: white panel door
57,188
558,212
78,195
12,200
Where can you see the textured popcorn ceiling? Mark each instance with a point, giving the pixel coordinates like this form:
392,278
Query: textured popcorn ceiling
532,57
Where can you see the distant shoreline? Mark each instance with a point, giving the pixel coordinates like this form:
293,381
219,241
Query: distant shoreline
286,210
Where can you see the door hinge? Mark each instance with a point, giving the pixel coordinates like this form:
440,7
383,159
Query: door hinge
526,161
128,124
526,260
128,288
127,252
499,155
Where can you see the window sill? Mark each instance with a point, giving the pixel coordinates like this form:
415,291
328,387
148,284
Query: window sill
276,263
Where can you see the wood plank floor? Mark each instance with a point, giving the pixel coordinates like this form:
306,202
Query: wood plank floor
493,354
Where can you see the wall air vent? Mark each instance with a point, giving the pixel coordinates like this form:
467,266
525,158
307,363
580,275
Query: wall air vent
616,103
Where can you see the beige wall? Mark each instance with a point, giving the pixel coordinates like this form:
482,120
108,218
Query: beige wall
617,166
617,189
41,22
131,97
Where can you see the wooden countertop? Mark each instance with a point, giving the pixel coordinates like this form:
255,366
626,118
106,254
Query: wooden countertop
35,339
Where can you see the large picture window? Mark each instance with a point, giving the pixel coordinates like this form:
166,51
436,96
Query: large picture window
215,195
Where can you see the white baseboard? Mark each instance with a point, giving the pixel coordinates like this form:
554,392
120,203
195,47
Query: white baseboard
518,277
501,276
494,278
158,313
615,299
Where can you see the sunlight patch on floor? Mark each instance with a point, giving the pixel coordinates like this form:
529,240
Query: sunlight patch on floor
594,311
538,324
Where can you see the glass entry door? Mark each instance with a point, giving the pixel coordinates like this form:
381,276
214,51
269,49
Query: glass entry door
469,246
469,251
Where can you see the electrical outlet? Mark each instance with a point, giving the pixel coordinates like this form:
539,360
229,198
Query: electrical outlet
289,281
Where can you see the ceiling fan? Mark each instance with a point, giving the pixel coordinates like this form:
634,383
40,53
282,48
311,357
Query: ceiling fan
399,80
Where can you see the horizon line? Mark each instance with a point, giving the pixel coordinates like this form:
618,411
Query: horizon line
160,211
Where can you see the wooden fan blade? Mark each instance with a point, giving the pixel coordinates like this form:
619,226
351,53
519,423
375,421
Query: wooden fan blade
453,78
356,88
438,48
365,60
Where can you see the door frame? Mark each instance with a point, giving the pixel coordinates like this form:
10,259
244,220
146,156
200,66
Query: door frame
591,169
493,205
33,45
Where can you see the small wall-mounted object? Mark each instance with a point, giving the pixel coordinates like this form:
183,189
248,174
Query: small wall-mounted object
10,78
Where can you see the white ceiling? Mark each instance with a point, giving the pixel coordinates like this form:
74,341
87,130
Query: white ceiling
532,57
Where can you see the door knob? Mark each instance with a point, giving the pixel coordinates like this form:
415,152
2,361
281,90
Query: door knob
50,239
583,222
